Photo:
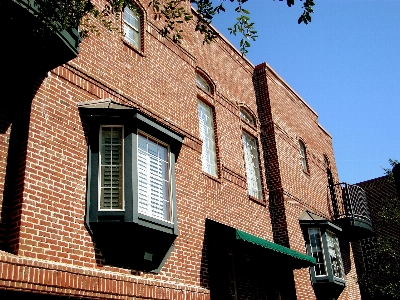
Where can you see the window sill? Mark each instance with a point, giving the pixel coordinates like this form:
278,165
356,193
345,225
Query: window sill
258,201
133,47
212,177
209,94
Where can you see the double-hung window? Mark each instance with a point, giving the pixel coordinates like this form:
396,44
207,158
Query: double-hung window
132,27
252,166
206,128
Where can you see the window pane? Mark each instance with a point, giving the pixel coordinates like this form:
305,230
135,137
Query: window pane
334,254
244,115
303,156
252,166
111,168
316,251
153,179
132,27
202,83
206,128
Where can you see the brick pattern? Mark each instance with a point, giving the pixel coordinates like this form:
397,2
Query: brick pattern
17,273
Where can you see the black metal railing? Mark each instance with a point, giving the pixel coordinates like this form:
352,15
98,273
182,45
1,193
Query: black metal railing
349,200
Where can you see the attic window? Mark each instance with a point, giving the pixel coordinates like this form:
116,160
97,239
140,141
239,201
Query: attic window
246,116
202,83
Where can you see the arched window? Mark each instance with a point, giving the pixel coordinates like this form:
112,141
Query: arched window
247,117
202,83
303,156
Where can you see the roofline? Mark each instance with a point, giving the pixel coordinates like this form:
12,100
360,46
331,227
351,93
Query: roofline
372,180
270,69
223,38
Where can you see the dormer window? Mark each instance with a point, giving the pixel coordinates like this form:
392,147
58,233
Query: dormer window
246,116
202,83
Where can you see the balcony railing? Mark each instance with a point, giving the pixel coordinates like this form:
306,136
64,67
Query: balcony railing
350,208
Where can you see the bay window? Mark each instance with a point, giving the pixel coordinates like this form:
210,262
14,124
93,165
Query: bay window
322,243
130,184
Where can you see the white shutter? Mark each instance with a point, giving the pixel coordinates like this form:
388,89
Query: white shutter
111,168
252,166
153,179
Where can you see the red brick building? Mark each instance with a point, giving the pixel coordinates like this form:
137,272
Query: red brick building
143,169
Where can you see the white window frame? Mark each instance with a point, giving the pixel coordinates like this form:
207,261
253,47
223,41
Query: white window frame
100,165
252,162
207,135
129,24
168,217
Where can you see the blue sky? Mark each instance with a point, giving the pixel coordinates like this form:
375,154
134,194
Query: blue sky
345,64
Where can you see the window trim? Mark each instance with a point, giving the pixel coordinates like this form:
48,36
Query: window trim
203,76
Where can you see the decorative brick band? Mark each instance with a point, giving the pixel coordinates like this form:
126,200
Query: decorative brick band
32,275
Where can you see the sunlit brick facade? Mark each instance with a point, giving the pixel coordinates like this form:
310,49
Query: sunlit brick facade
50,241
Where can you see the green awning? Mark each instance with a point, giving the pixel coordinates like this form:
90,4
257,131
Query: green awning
300,260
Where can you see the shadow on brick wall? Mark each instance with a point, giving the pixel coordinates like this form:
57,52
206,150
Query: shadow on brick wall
19,88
